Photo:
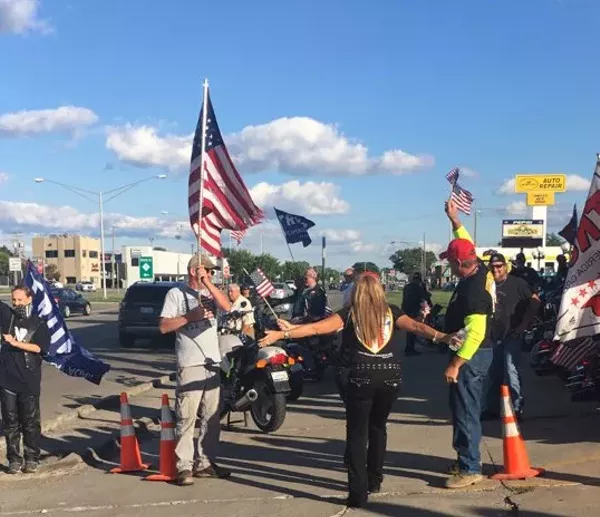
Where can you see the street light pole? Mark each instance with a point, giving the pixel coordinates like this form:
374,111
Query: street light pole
100,195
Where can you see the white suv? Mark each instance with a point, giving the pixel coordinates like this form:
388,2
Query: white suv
85,286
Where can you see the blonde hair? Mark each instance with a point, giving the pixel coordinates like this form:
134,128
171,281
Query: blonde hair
369,308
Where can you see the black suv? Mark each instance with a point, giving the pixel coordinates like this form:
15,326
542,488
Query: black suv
140,310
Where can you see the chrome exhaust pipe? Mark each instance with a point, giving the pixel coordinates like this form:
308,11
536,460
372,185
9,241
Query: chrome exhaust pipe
250,396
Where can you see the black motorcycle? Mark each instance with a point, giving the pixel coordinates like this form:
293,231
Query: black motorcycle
252,378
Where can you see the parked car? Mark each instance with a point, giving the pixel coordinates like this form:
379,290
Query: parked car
140,310
55,284
70,302
291,284
85,286
282,298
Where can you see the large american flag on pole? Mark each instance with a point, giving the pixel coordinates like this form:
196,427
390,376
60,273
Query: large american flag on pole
462,197
227,204
237,236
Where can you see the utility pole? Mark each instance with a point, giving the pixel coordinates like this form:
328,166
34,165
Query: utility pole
424,260
114,258
323,248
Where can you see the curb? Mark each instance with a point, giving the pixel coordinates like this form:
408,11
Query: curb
108,402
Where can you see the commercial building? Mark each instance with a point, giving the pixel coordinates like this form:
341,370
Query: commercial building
167,266
76,257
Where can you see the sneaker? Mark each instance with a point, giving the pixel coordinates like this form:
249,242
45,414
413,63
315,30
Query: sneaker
31,467
354,502
463,480
213,471
374,488
14,468
454,469
184,478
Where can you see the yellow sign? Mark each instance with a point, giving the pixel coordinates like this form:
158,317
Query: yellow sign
540,198
525,183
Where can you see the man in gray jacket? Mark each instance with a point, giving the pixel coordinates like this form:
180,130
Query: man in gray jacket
198,376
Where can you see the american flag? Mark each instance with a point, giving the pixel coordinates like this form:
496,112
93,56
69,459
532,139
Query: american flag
462,197
226,203
452,175
570,354
263,285
237,236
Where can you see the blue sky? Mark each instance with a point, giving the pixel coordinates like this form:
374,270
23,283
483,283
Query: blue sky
323,94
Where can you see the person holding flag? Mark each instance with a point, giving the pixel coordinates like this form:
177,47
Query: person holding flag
25,339
470,310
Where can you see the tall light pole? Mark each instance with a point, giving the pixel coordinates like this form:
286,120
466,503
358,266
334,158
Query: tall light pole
113,193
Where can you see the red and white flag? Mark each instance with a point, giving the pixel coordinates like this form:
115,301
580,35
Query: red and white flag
237,236
226,202
579,313
263,285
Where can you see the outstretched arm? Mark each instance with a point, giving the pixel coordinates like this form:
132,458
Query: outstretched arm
326,326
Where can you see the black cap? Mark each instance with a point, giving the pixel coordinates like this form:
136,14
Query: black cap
520,257
497,258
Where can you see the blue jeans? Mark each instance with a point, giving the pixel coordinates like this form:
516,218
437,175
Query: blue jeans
505,370
466,400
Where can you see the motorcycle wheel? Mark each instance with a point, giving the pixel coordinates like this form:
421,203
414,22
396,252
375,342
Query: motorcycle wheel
268,412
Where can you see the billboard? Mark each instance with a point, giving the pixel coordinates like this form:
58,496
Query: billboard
522,233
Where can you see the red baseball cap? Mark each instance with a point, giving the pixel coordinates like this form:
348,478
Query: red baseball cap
459,249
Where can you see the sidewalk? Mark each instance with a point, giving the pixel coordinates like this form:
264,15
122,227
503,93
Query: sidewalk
298,470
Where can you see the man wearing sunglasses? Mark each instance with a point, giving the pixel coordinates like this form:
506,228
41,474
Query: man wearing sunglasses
198,376
516,307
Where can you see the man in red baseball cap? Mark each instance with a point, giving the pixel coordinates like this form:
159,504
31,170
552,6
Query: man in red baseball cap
470,309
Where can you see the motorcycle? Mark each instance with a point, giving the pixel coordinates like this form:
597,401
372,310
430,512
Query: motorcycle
583,381
253,379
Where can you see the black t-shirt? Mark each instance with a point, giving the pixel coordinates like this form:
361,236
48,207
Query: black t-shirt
473,295
20,371
512,298
354,352
311,304
414,293
528,274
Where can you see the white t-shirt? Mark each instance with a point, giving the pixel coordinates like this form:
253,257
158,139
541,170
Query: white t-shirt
247,319
196,343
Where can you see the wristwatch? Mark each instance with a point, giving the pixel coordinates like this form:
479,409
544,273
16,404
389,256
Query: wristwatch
286,334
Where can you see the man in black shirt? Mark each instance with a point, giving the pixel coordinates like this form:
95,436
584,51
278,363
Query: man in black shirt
25,338
470,309
312,304
413,295
522,270
516,307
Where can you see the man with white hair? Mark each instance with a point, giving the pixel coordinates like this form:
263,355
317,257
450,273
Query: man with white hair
245,323
312,303
198,376
349,281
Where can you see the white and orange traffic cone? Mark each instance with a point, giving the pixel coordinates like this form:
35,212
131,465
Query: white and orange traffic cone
516,461
131,457
168,470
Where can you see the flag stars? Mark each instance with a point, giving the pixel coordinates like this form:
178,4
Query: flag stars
582,292
592,284
575,301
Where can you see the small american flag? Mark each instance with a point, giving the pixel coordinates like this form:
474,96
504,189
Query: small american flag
462,197
226,201
237,236
570,354
263,285
452,175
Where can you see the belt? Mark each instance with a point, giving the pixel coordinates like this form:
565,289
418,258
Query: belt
377,366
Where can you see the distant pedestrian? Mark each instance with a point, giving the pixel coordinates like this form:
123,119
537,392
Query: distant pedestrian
516,307
349,275
25,339
414,295
372,345
522,270
198,372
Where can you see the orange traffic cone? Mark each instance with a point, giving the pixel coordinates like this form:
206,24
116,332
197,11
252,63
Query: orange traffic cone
131,458
168,470
516,461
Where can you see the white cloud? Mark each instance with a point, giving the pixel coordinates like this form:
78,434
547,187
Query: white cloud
4,177
341,236
516,208
467,172
298,146
65,119
20,16
308,198
143,147
575,183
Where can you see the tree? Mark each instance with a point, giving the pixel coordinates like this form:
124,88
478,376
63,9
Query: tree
329,273
410,260
238,261
159,248
294,270
365,266
269,265
553,239
52,272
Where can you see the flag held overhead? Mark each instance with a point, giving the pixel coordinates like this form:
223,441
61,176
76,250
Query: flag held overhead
294,227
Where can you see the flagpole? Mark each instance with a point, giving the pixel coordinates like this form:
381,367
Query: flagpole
202,162
284,238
